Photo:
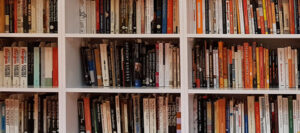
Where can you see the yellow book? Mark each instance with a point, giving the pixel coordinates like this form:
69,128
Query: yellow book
265,16
238,14
257,67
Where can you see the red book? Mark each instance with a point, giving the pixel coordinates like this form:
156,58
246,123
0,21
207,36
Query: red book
225,67
261,67
15,16
55,67
170,17
231,17
257,117
292,17
246,21
262,24
87,114
97,17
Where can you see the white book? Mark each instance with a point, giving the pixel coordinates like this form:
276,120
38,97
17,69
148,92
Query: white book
251,113
296,68
236,64
281,68
286,64
118,115
220,17
240,69
112,16
16,66
7,115
215,60
285,115
216,53
146,114
138,17
168,68
152,106
262,114
1,67
147,17
82,16
36,113
267,105
93,16
126,117
117,15
228,17
231,118
33,16
280,114
16,115
172,66
194,22
7,66
104,64
160,114
161,64
249,17
242,26
88,17
295,106
104,110
23,67
39,16
48,66
252,19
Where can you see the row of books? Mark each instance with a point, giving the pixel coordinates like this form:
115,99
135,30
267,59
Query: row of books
245,16
29,113
131,63
129,17
216,65
130,113
29,64
28,16
260,114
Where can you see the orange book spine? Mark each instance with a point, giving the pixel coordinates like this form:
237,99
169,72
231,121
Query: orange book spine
262,24
87,114
250,67
257,117
2,16
261,67
238,18
257,67
170,17
267,68
231,17
225,67
246,21
246,65
292,17
199,16
222,114
269,16
290,67
221,80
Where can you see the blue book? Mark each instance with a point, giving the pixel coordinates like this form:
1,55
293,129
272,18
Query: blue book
227,118
164,16
246,121
2,105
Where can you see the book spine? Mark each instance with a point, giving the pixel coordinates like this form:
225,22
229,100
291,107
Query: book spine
55,79
23,67
87,115
7,66
16,66
164,16
291,16
36,77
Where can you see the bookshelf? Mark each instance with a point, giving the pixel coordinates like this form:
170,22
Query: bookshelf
70,84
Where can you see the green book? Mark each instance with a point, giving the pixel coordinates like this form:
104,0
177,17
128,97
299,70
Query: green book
290,105
36,67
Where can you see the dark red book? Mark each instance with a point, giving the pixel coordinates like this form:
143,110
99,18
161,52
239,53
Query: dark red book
97,17
170,17
55,67
292,16
246,21
261,67
87,114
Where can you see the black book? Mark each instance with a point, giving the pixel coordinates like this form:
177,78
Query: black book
99,120
25,116
7,8
81,118
109,62
297,30
101,14
113,114
54,17
104,6
153,22
30,63
207,16
107,16
11,17
298,57
275,70
204,114
211,80
93,115
271,68
49,114
144,65
118,65
254,65
203,66
134,17
137,72
223,15
158,16
127,64
277,16
200,114
91,66
40,114
54,116
51,20
255,5
198,58
148,69
153,68
131,125
29,14
84,65
30,116
194,68
25,16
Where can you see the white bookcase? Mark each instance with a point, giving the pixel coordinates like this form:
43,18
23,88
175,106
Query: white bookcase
70,86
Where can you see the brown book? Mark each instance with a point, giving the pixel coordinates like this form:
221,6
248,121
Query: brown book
292,16
98,66
225,67
221,80
221,115
2,16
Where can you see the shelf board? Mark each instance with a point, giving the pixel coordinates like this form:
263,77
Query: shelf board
29,90
42,35
124,90
250,91
123,35
254,36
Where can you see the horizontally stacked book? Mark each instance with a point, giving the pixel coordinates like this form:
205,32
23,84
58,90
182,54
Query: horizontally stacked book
29,113
28,16
129,17
260,114
29,64
216,65
133,63
245,16
128,113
